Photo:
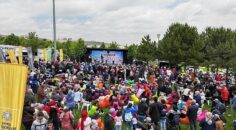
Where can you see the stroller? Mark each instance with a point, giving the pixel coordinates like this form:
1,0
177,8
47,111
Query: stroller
146,124
173,121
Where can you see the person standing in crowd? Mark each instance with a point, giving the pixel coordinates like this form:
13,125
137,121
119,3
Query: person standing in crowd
155,110
118,120
41,93
54,114
192,115
128,115
27,117
109,121
40,109
207,123
233,104
40,123
69,100
163,115
66,119
197,97
224,93
219,123
142,109
84,122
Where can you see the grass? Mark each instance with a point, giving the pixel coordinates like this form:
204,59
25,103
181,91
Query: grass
229,125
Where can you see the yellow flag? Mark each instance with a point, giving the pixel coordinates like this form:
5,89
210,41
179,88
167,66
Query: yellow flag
12,92
61,55
45,54
20,55
12,56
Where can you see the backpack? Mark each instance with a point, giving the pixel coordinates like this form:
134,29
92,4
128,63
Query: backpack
128,116
174,121
163,112
222,108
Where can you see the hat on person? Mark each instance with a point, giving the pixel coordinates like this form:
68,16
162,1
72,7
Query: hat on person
94,122
148,119
193,102
111,110
216,116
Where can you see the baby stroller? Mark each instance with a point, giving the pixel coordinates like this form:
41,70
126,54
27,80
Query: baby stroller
146,124
173,121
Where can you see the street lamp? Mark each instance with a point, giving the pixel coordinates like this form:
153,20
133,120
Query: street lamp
158,37
54,31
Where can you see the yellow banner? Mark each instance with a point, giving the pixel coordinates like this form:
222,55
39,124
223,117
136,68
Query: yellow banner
12,56
20,55
12,92
61,55
45,54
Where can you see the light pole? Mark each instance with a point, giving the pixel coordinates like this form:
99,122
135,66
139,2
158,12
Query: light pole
158,38
54,31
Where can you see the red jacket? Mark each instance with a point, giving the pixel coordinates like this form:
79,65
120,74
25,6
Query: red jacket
224,93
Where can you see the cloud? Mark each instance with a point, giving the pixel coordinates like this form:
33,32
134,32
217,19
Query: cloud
124,21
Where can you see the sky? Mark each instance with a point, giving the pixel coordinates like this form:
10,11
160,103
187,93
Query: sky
123,21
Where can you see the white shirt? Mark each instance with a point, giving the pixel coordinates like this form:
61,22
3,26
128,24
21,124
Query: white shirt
186,92
118,120
135,121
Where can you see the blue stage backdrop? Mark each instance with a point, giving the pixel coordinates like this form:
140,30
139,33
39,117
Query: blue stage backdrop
107,56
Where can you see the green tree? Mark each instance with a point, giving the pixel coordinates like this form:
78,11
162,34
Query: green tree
77,49
2,38
113,45
12,39
33,41
146,51
102,46
94,46
132,51
81,48
181,44
220,46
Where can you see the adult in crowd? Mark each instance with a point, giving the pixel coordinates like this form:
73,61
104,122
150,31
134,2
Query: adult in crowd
84,122
66,118
192,115
109,121
208,123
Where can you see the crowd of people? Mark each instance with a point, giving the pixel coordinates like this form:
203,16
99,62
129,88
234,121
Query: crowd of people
95,96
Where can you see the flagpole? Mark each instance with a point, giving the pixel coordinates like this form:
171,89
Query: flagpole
54,31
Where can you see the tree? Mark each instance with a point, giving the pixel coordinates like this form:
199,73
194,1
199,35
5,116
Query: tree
12,39
77,49
33,42
220,46
81,48
132,51
146,51
2,38
94,46
181,44
113,45
102,46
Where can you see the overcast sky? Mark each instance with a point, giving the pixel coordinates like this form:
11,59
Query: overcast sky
123,21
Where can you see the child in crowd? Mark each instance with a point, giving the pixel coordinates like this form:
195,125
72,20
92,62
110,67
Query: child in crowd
118,120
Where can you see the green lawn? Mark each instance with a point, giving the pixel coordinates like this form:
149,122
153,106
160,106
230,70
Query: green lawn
229,124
